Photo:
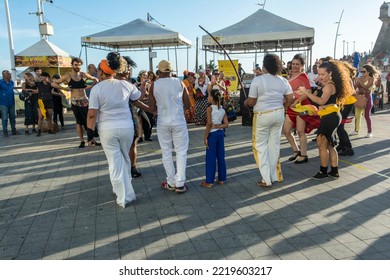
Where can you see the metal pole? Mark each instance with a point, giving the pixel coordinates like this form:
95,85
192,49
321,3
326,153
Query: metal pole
353,46
337,34
196,55
187,57
149,18
11,42
177,68
343,48
347,48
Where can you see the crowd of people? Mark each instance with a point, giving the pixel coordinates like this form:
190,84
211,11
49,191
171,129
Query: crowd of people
122,111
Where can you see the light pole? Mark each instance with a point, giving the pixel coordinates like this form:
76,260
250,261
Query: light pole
353,46
371,47
347,48
337,33
343,48
11,41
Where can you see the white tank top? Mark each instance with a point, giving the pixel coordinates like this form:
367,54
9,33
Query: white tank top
216,116
168,93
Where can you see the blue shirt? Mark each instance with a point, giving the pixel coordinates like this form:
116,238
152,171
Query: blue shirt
7,93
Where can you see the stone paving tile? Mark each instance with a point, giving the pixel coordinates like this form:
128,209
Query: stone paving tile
339,251
316,253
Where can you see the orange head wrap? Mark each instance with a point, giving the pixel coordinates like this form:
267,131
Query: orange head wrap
105,67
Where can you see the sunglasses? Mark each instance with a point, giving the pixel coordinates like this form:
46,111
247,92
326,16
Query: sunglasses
363,71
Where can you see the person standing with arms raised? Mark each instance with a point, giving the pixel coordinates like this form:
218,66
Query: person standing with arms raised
77,85
168,96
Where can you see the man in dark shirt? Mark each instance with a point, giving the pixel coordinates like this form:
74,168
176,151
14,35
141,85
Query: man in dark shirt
45,103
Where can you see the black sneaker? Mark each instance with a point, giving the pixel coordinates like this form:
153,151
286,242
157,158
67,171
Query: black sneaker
320,176
16,133
39,133
82,144
334,175
34,130
347,152
135,173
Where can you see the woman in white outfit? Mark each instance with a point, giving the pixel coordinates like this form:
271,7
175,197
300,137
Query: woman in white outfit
267,95
110,100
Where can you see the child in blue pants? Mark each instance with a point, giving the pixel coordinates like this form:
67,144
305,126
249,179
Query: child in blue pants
214,140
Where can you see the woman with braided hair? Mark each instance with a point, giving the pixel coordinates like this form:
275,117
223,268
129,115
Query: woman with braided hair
110,99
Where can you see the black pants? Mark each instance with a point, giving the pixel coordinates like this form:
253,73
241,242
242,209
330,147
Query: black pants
341,133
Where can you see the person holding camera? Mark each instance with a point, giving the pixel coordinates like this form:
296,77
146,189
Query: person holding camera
29,95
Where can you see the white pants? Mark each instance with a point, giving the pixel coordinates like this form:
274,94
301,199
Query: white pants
267,129
116,144
178,136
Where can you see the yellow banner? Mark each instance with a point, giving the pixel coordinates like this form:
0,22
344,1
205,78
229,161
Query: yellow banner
227,68
42,61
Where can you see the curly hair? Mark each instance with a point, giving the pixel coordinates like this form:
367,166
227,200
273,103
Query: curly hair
352,70
341,79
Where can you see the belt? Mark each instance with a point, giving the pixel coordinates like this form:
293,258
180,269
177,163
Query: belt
266,112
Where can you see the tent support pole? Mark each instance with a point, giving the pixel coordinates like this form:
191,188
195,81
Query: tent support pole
187,57
196,55
86,56
150,60
177,69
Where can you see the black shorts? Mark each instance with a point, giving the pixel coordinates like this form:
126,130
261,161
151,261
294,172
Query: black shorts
48,104
80,114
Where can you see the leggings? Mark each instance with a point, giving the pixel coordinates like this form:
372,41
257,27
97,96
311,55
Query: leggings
367,111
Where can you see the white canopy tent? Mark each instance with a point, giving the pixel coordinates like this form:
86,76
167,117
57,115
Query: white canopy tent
135,36
259,33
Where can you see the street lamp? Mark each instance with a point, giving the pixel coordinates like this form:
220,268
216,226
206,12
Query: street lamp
337,33
343,48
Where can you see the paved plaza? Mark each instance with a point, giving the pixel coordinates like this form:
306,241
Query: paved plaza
56,202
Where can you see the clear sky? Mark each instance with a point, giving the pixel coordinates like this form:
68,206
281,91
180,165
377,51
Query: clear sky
73,19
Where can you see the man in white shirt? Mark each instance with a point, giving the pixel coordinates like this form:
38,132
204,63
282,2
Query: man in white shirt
168,96
313,78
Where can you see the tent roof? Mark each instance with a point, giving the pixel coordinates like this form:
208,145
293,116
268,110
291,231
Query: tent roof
261,31
43,48
137,34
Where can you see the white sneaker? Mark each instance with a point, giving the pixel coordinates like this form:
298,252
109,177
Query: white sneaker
369,135
353,133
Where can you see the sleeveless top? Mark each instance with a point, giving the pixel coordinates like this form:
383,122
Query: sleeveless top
168,93
332,99
76,84
217,116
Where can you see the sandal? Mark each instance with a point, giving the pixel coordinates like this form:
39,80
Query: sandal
295,155
167,186
182,189
207,185
221,182
263,184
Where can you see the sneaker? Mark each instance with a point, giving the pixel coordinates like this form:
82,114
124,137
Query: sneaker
82,144
334,175
34,130
5,134
39,133
353,133
167,186
26,132
182,189
135,173
369,135
346,152
16,133
320,176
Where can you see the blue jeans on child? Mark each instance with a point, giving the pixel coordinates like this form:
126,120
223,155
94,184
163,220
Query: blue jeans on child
215,153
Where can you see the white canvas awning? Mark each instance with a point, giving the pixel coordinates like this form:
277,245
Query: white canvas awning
137,34
261,32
